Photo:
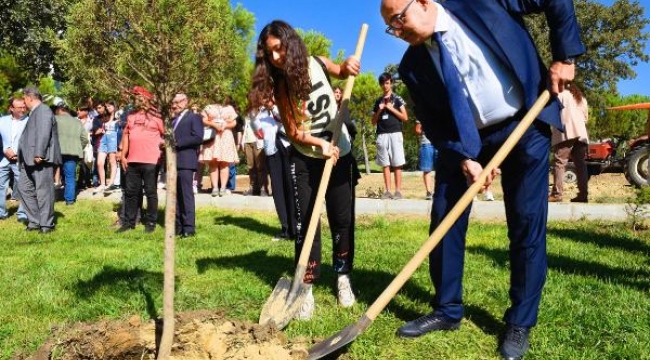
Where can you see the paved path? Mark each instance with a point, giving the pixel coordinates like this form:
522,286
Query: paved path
484,210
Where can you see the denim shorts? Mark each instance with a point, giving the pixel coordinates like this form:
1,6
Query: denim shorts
427,157
108,143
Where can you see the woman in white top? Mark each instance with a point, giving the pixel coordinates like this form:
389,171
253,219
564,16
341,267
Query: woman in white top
573,143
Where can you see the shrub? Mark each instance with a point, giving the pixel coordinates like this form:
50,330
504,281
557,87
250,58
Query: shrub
638,208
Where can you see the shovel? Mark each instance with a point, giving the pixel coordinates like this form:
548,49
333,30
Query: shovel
351,332
288,296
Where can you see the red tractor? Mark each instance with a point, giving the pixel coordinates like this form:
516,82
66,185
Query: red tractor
609,156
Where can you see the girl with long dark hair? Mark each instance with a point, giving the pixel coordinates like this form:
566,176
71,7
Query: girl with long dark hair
300,85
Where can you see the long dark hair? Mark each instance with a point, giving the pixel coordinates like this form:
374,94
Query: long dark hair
295,74
577,94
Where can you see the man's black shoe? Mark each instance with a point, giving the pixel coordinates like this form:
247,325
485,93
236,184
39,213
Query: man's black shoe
124,228
188,234
427,323
515,343
149,228
46,230
29,228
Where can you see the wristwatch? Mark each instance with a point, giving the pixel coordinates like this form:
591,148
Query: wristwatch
569,61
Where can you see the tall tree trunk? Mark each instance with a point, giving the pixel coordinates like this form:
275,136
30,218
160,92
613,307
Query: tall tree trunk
167,339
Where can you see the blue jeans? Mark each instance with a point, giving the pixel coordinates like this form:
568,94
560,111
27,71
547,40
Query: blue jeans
5,172
69,168
232,177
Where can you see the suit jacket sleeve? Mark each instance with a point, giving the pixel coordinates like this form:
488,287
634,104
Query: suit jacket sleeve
195,136
43,124
562,23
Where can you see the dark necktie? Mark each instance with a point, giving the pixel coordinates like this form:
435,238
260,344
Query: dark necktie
467,131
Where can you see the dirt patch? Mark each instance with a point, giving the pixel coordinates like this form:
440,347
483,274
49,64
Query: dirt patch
603,188
608,188
198,335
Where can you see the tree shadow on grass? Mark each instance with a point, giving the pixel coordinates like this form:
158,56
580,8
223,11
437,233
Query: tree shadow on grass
635,245
123,284
247,223
368,284
637,279
487,322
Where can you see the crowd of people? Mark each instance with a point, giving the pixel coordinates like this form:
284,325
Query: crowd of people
92,142
468,92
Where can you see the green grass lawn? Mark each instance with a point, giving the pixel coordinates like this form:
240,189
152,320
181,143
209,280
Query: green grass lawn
596,303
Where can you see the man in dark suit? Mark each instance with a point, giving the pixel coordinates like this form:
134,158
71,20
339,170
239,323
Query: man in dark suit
472,71
188,136
39,153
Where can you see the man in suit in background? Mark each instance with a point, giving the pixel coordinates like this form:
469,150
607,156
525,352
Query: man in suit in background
473,71
38,155
188,136
11,129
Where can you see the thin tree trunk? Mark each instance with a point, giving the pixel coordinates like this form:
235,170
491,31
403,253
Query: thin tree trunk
365,152
167,339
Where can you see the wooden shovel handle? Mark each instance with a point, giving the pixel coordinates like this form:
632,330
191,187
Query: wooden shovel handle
457,210
329,164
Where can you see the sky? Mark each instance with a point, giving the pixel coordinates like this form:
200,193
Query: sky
341,20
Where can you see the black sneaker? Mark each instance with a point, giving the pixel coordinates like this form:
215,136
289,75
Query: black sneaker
149,228
515,343
426,324
124,228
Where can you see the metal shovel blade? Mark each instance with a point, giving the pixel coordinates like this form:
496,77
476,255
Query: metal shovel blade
340,339
283,304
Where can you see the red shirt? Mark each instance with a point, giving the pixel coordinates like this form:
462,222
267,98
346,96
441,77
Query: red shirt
145,132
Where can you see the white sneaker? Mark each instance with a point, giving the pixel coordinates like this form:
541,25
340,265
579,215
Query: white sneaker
307,308
99,189
225,192
344,291
489,196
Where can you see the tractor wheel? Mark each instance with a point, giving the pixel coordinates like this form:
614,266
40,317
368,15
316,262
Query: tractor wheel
636,166
570,176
